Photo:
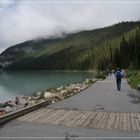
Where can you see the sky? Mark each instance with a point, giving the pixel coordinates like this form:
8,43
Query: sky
22,20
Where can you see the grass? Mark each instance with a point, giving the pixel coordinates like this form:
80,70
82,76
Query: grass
134,77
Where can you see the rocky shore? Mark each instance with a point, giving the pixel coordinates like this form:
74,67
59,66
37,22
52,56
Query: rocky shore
51,95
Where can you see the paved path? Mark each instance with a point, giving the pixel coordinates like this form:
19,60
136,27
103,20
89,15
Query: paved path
103,96
100,111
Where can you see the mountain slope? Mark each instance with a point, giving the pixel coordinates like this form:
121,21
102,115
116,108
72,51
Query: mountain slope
83,50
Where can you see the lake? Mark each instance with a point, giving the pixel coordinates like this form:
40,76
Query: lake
15,83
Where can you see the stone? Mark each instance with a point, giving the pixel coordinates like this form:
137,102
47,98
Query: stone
78,90
78,87
75,91
8,109
138,87
32,102
63,92
52,96
38,94
2,113
36,98
49,96
60,88
9,103
22,101
1,105
53,101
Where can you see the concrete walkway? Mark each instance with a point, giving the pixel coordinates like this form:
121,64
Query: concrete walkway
101,97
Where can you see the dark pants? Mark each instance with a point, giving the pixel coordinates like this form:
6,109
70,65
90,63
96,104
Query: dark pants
118,84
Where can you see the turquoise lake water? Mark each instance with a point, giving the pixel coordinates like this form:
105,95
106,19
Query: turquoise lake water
30,82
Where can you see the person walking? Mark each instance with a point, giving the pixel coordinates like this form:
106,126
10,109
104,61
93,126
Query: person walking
118,76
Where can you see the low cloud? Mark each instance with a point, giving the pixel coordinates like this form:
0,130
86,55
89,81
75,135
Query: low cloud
29,20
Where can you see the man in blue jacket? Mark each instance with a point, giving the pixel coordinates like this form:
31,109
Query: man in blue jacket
118,76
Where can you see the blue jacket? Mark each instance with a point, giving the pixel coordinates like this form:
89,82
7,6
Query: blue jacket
118,74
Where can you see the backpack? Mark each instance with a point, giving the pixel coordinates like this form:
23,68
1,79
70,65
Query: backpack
118,75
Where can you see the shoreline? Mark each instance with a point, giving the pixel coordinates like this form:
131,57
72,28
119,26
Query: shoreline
51,95
48,70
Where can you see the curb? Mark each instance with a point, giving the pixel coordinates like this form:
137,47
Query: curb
13,115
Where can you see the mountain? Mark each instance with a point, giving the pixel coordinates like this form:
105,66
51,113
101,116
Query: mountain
79,51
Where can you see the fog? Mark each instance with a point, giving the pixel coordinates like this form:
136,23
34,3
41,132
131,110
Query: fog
25,20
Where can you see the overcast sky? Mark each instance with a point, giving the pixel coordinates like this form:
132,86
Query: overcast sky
22,20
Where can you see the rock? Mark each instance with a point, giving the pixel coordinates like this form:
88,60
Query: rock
32,102
2,109
63,92
71,94
78,90
52,90
75,91
49,96
25,97
60,88
17,100
38,94
69,89
53,101
1,105
8,103
2,113
52,96
26,104
77,87
87,81
9,109
22,101
36,98
30,98
138,87
84,87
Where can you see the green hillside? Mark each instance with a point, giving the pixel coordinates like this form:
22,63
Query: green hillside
79,51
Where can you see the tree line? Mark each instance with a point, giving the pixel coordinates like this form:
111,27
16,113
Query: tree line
125,56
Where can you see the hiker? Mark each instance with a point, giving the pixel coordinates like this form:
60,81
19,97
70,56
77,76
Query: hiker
107,72
123,73
118,76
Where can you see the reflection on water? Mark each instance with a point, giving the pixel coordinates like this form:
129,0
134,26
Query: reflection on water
29,82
